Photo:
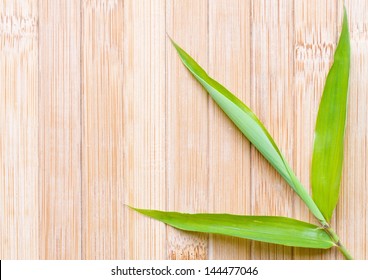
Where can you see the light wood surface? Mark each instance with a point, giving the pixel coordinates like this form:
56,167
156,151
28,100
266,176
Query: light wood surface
97,112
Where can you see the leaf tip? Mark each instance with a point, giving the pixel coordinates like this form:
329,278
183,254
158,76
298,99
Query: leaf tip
345,25
172,41
131,207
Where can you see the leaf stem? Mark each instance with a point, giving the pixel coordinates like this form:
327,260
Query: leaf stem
327,228
344,251
335,238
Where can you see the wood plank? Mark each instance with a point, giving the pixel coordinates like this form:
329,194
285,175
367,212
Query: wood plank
229,151
271,100
352,212
315,39
60,130
19,223
187,125
144,99
102,128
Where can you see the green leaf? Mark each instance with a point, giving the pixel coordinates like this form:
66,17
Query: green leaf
328,148
277,230
250,126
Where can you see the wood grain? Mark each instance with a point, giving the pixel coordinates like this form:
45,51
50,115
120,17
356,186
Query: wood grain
59,130
229,151
187,126
97,112
144,99
19,188
352,210
271,55
102,130
316,35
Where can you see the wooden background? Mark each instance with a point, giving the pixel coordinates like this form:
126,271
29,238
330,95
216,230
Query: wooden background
97,111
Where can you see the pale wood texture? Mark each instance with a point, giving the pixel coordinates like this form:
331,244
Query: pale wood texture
144,123
187,126
316,34
59,125
271,79
97,112
19,99
102,129
229,151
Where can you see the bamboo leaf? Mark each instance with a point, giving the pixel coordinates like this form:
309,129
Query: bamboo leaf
328,148
277,230
250,126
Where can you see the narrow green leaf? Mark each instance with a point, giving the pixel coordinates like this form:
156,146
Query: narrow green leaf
271,229
250,126
328,148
